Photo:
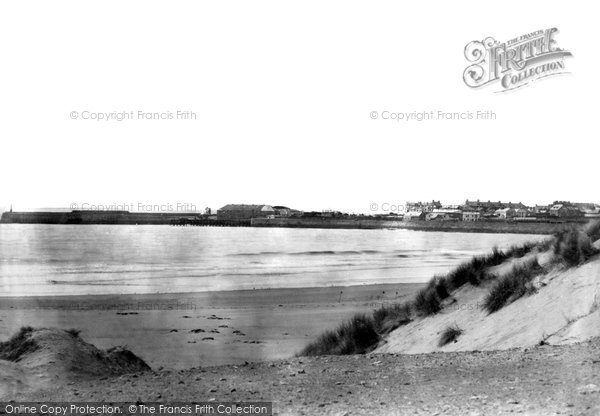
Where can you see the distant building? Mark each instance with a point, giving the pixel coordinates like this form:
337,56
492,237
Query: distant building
443,215
521,213
592,212
471,216
282,211
505,213
235,212
422,206
490,206
589,210
414,215
565,211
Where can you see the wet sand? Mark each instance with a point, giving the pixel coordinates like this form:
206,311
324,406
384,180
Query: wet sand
200,329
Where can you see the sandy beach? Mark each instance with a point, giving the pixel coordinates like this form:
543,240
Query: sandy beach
540,381
198,329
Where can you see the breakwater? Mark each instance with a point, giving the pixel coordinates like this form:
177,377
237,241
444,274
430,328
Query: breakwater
94,217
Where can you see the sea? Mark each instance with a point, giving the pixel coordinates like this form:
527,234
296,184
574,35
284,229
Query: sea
47,260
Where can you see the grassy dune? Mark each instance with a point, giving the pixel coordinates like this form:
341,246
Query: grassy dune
362,333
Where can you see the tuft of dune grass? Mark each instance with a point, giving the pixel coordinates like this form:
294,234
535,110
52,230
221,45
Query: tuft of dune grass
440,286
18,345
573,247
474,270
518,251
450,334
427,302
74,332
513,285
389,317
356,336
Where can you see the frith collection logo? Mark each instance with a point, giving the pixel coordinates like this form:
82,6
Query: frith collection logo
515,63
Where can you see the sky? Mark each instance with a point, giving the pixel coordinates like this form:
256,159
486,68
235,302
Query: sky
283,94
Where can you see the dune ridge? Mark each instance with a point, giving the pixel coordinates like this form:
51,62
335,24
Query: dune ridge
35,359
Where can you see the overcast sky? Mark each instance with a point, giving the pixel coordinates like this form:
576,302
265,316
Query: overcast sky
283,93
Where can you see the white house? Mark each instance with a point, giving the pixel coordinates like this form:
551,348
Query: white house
504,213
471,216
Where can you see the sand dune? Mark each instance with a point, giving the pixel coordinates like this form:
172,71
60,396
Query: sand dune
36,359
565,309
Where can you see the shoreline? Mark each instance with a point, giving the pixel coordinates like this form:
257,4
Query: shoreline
300,294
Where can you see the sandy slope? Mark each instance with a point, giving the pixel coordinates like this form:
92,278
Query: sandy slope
566,309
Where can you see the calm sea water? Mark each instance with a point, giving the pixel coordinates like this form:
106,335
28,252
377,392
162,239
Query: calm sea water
108,259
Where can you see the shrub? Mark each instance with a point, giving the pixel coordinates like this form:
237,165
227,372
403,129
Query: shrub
18,345
356,336
450,334
512,286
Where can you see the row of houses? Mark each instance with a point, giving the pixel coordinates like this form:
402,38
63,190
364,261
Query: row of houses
498,210
558,209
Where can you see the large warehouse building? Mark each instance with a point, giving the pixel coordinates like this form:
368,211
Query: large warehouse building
232,212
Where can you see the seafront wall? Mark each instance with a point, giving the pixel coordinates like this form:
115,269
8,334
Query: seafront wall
509,227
